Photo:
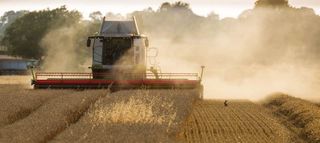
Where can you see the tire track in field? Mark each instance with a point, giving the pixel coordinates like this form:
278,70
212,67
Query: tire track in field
241,121
17,105
124,117
256,126
50,119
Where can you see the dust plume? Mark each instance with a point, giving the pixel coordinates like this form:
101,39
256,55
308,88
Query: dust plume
63,50
262,51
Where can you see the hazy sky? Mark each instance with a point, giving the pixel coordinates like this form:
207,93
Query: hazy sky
225,8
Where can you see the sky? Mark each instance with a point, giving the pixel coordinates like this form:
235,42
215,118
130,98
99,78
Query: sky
225,8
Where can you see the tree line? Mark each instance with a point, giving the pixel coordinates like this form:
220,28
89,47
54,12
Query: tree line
277,21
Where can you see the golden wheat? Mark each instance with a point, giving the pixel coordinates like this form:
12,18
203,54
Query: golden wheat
302,114
19,102
240,122
133,116
50,119
24,79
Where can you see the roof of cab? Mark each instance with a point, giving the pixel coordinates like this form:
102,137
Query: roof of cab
118,28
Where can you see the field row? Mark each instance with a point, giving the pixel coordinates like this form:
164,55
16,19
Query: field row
132,116
148,116
303,115
33,116
38,116
241,121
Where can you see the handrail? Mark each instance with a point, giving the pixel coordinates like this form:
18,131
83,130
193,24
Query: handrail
83,75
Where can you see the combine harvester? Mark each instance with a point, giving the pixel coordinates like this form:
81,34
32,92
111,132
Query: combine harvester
119,61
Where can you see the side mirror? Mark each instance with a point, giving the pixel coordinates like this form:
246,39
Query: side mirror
88,42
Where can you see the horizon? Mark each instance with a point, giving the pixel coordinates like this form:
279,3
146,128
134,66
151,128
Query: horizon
227,8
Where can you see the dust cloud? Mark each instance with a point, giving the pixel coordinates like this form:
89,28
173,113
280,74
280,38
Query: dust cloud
262,51
63,50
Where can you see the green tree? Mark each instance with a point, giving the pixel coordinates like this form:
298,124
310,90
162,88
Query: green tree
175,7
181,4
271,3
96,16
23,36
165,6
8,18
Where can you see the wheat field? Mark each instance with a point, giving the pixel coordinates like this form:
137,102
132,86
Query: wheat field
36,116
19,104
132,116
49,119
304,116
33,116
15,80
240,122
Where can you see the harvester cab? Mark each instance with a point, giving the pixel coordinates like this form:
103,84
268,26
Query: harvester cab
119,61
119,51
